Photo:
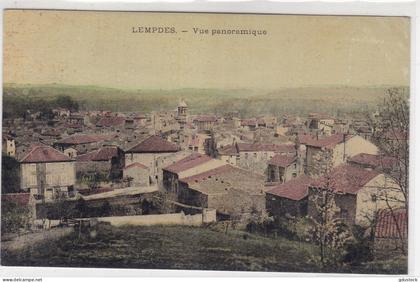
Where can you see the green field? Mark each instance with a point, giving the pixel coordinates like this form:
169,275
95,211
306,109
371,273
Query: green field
249,102
181,248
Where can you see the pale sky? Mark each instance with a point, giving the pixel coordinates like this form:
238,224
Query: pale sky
99,48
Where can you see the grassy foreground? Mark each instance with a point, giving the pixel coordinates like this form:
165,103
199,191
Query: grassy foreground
178,248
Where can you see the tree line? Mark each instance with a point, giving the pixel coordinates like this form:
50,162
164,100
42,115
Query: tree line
23,106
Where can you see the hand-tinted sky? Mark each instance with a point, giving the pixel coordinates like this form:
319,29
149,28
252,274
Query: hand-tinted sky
99,48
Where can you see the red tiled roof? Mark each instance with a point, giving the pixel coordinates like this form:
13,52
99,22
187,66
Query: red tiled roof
86,157
103,154
364,129
136,165
106,153
391,225
256,147
51,132
84,139
191,161
248,122
154,144
44,154
295,189
111,121
319,116
205,175
205,118
282,160
21,199
305,138
373,161
328,142
346,179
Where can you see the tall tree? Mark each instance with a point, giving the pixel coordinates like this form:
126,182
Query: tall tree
10,179
391,125
330,232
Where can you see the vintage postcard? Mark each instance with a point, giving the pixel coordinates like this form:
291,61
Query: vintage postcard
205,141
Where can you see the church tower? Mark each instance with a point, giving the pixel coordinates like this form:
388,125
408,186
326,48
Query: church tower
182,113
182,109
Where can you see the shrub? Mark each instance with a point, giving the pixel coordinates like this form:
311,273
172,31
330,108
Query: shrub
14,217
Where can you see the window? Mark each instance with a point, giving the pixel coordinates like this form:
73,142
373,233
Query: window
294,174
344,213
373,197
272,175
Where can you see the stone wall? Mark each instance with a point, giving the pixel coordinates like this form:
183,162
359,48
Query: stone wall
255,161
209,215
318,161
279,207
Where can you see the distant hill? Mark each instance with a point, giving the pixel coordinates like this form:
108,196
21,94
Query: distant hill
249,102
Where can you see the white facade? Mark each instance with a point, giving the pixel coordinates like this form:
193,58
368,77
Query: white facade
9,147
379,193
54,177
155,161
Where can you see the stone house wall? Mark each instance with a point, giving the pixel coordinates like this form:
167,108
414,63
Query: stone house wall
278,207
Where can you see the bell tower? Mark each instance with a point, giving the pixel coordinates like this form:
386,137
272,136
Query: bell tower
182,113
182,108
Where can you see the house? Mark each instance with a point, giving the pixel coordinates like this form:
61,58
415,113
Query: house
253,156
61,112
204,122
249,124
232,191
358,193
71,152
136,174
47,173
82,143
364,131
321,122
186,167
111,122
106,162
282,168
194,144
332,151
164,121
290,198
283,129
151,152
129,124
391,230
76,119
377,162
9,146
197,142
268,121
